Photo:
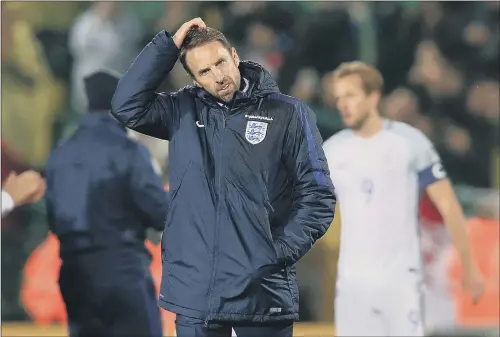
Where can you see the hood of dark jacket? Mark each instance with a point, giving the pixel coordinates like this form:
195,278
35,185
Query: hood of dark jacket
99,88
261,81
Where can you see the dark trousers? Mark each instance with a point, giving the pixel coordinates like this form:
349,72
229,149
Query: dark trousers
103,299
193,327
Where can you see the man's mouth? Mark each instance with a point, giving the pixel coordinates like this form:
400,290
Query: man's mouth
225,87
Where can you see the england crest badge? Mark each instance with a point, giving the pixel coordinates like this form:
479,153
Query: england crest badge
255,132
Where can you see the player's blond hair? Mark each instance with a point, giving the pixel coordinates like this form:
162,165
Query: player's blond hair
370,76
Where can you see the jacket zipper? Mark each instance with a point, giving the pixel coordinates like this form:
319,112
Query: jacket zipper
217,220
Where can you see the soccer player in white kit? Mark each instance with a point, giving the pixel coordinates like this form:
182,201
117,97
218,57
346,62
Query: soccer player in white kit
378,168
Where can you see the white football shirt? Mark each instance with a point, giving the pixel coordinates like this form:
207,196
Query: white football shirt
377,181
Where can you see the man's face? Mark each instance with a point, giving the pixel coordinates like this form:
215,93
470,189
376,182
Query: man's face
215,69
353,103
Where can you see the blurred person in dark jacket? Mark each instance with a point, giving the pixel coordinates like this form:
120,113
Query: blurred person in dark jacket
102,196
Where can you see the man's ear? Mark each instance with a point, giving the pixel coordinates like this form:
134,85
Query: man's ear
196,83
235,56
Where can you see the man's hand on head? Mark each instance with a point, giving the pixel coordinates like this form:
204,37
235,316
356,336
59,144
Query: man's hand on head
184,29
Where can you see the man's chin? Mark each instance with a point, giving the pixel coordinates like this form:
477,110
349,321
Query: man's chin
227,98
348,123
354,125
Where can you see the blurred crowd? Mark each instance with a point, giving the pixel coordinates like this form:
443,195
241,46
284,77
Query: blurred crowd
439,61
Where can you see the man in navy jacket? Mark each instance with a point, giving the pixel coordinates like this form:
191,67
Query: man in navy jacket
102,196
250,187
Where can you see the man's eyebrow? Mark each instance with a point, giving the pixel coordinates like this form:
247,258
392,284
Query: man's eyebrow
201,71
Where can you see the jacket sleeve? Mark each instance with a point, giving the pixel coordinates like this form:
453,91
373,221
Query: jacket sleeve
135,103
147,189
314,198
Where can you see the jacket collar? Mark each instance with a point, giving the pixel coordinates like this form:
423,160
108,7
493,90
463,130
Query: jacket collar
101,117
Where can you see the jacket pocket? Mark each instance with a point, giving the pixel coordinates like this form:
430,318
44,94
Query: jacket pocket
174,193
275,244
166,240
280,252
265,225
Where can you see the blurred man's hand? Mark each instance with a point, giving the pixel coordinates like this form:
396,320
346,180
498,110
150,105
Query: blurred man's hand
473,282
25,188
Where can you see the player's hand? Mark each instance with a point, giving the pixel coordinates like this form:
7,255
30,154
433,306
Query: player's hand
181,32
473,283
25,188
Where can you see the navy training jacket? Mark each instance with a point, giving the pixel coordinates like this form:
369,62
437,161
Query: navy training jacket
102,191
250,189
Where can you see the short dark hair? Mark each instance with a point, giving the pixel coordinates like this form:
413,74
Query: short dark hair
197,37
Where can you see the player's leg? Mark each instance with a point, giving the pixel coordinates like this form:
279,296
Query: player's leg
356,313
272,329
405,311
132,309
195,327
83,321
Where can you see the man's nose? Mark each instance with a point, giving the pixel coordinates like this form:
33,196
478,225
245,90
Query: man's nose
219,76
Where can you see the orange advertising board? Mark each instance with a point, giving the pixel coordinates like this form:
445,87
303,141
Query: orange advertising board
484,238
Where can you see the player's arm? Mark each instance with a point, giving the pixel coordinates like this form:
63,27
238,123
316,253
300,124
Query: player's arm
7,203
25,188
314,199
443,196
433,178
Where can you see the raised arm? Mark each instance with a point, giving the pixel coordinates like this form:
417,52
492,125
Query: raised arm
135,102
